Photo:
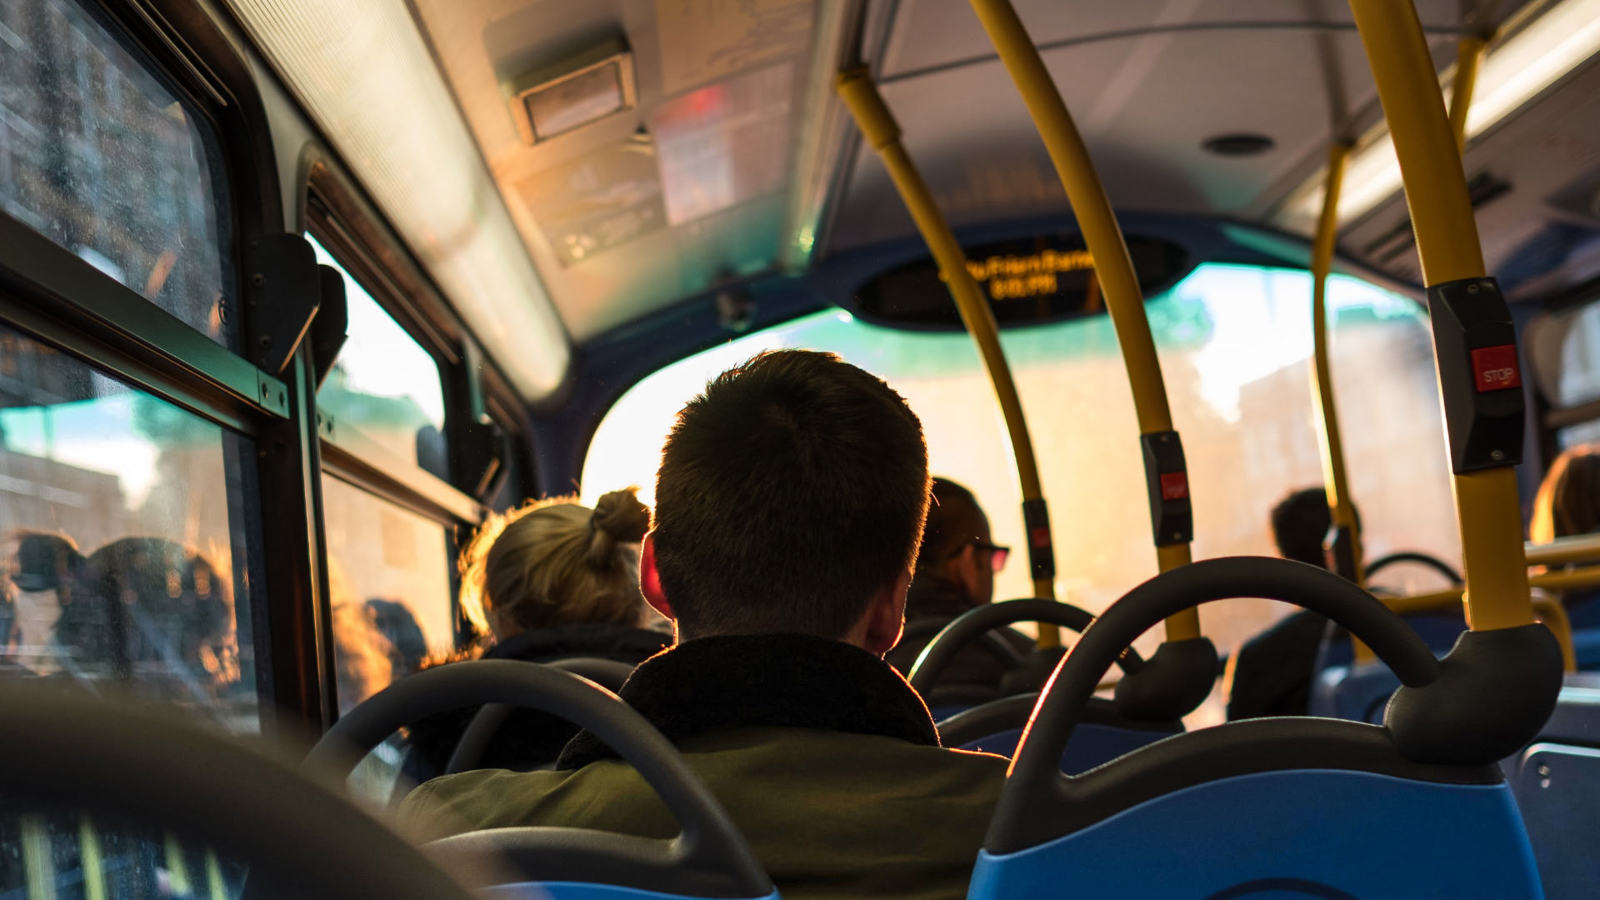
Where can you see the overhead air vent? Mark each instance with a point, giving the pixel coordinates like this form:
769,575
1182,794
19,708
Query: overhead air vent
555,99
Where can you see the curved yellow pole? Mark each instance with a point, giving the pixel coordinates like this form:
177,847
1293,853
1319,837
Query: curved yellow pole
1487,504
879,128
1124,300
1469,57
1348,557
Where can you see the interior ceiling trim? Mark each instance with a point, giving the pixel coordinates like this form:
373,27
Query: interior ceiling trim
1149,31
364,74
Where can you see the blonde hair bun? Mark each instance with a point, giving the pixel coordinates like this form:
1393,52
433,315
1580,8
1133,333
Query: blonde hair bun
619,518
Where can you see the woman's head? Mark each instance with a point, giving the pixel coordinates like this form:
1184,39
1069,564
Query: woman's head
1568,502
554,562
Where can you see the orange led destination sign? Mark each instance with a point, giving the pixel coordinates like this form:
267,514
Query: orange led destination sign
1029,281
1013,277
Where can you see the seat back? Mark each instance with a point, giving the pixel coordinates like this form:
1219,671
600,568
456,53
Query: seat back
1371,835
1283,806
708,858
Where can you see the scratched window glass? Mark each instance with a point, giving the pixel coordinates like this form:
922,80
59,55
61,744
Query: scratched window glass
102,158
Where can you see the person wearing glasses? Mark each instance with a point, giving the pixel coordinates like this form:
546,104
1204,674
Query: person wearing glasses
955,572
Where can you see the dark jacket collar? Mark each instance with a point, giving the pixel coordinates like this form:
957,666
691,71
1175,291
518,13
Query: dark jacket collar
769,680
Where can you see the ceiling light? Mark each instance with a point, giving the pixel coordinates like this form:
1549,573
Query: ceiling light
555,99
1514,71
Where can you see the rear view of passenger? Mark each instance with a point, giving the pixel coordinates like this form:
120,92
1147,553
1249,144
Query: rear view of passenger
955,572
790,501
1272,671
549,581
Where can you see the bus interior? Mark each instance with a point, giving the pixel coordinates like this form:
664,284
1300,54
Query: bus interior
295,293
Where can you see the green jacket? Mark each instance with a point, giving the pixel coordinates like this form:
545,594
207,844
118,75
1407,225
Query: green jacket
830,767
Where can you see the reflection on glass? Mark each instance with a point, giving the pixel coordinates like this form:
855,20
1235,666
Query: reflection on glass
389,570
1234,343
121,518
384,384
66,856
101,158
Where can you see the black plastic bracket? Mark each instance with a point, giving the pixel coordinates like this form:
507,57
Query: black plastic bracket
1166,478
283,289
1480,377
1339,552
480,454
331,326
1494,692
1041,549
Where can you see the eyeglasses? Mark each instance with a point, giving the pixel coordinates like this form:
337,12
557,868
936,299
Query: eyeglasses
997,554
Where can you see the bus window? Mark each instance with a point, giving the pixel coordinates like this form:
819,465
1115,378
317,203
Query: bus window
384,384
389,574
1565,354
123,523
100,157
1234,342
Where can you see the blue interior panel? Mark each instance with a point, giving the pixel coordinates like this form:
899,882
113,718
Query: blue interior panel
1557,787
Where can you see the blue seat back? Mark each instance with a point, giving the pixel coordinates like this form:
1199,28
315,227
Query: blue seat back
1261,835
1091,744
1353,692
1557,787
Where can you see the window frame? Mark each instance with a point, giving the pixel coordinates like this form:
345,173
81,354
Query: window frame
49,294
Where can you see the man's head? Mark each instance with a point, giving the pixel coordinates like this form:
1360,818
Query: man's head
790,498
1300,524
957,547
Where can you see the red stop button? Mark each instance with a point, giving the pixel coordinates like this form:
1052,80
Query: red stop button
1174,486
1495,368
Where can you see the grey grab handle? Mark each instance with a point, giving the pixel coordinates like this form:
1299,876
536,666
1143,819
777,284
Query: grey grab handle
968,626
151,768
708,859
474,742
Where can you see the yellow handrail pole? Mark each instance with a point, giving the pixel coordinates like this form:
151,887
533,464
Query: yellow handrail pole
1433,601
1469,57
881,131
1487,504
1347,549
1120,285
1577,548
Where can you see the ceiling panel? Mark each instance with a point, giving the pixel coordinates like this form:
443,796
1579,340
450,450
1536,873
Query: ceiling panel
718,94
1144,102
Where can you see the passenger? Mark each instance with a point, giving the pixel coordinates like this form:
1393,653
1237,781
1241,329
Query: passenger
1568,504
553,580
790,499
955,573
1272,671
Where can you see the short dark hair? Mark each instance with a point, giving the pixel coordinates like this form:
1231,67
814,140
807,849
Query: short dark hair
789,492
953,521
1300,524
